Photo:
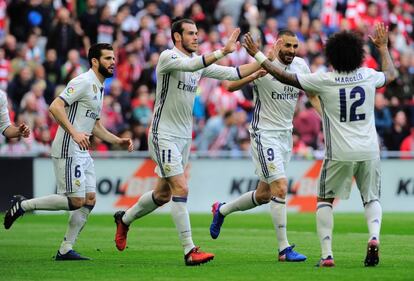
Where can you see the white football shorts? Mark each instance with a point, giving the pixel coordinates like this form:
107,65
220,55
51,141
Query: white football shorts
169,153
271,152
75,176
336,179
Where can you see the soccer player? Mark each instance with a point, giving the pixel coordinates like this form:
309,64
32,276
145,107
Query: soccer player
78,111
271,143
351,146
6,128
178,72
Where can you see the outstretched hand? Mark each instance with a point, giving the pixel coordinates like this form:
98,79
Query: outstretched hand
250,45
24,130
232,43
380,38
127,143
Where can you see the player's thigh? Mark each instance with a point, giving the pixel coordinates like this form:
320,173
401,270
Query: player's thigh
167,155
335,180
368,179
269,156
90,176
70,176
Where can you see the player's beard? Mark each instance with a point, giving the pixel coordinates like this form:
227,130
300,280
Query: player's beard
188,48
282,57
105,72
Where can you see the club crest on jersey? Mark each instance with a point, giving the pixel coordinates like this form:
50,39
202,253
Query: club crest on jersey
95,89
70,90
174,56
194,78
167,168
272,167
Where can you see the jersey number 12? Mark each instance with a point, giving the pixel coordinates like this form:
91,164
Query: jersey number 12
358,95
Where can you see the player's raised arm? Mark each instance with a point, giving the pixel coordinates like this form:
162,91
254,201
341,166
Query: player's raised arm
380,40
238,84
186,40
279,74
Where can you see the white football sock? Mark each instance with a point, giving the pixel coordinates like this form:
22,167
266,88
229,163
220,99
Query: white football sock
279,218
77,220
52,202
373,215
145,205
245,202
324,225
181,219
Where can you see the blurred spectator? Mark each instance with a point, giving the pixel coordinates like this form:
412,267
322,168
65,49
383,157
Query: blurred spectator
148,76
20,85
89,20
218,134
10,47
5,70
399,130
111,116
121,97
299,148
52,67
72,67
129,71
33,51
407,144
63,36
142,106
139,136
383,119
107,30
403,86
308,124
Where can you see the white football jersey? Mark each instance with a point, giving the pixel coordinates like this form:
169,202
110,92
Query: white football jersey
4,112
177,83
275,102
83,97
347,101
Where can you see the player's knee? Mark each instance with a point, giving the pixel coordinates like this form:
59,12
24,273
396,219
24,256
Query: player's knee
162,197
263,197
90,200
76,202
281,192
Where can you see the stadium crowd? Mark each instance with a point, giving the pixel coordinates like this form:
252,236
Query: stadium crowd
43,45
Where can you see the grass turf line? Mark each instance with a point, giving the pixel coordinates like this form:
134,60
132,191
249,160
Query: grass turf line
245,250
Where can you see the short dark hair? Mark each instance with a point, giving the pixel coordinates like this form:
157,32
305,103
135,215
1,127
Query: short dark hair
286,32
345,51
95,51
177,26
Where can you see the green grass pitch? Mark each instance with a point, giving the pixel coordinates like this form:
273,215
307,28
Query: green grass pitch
245,250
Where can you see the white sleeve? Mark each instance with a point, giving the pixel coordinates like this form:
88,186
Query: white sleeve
378,78
74,91
310,82
4,113
222,72
170,61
